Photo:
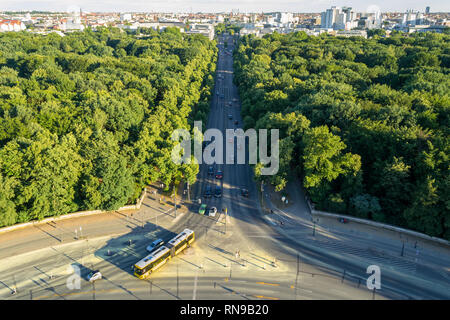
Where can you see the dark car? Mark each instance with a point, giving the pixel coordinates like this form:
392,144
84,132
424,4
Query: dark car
219,174
343,220
230,116
208,192
244,192
210,170
218,192
236,122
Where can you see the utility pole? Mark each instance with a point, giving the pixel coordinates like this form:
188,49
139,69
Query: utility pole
194,295
403,249
175,201
189,194
151,286
296,277
15,284
314,229
177,281
226,216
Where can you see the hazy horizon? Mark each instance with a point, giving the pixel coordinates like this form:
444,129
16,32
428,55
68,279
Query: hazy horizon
218,6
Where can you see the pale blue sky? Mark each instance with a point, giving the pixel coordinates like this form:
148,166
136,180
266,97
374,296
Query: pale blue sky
222,5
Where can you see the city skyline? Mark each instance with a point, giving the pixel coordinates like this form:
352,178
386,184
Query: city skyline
220,5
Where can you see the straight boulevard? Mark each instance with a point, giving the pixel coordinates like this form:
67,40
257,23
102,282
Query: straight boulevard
239,255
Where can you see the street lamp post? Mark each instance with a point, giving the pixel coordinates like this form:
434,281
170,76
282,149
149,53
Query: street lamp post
226,216
177,281
175,201
296,277
189,194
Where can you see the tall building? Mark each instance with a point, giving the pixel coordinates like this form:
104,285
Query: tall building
329,17
411,18
338,18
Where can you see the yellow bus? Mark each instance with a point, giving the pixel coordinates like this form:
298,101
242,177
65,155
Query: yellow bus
181,241
156,259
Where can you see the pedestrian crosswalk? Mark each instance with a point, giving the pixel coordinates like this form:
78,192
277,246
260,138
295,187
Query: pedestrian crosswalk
370,255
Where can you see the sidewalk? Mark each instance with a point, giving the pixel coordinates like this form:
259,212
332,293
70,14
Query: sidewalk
65,231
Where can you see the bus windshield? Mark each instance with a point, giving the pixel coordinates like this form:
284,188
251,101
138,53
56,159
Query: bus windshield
138,271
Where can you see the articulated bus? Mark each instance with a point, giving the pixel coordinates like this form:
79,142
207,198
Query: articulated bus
181,241
155,260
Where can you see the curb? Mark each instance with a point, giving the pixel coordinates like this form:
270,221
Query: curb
137,206
382,226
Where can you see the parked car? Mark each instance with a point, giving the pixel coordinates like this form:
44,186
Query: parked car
155,244
236,122
212,211
208,192
230,116
218,192
343,220
219,174
210,170
202,209
94,276
244,193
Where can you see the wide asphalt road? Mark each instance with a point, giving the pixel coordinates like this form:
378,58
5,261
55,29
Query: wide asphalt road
251,226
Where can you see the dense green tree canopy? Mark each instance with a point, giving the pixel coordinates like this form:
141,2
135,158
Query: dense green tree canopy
364,123
86,119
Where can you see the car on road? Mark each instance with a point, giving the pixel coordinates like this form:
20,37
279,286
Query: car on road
235,100
244,192
94,276
202,209
212,211
343,220
221,95
155,244
219,174
236,122
218,192
210,170
230,116
208,192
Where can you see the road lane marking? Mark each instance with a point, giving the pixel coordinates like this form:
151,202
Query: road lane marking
264,297
269,284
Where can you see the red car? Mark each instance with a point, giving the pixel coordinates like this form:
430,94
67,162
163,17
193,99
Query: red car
219,174
343,220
